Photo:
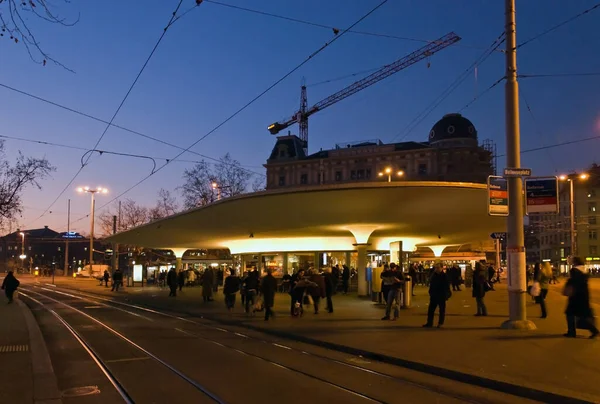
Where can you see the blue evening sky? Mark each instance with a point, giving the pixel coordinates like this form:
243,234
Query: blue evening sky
216,59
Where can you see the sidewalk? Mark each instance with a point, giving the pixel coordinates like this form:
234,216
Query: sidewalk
467,346
26,374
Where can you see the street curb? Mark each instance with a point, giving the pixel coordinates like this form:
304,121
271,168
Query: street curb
45,387
467,378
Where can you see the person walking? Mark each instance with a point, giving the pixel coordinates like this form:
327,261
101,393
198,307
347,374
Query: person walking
250,286
412,272
181,279
479,289
268,287
106,277
397,279
345,279
318,291
10,285
231,286
207,285
172,282
544,276
117,279
329,289
579,312
439,292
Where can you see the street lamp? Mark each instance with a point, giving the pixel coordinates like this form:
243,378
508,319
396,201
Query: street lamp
219,188
582,176
92,192
388,171
22,256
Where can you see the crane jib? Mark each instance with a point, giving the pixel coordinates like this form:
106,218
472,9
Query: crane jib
426,51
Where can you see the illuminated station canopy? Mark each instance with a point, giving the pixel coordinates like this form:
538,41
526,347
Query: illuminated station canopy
329,218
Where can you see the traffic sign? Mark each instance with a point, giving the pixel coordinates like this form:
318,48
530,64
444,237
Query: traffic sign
517,172
498,235
497,196
542,195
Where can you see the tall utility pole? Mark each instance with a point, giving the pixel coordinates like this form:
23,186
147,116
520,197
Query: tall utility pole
67,238
517,281
115,256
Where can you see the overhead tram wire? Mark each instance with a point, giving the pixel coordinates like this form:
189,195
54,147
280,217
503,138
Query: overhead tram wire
478,96
552,146
245,106
110,152
529,76
171,20
92,117
555,27
328,27
450,89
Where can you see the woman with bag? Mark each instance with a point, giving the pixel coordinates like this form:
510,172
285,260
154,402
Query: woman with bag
579,313
543,278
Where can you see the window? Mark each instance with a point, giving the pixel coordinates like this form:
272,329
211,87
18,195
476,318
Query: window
303,179
281,180
422,169
592,220
338,175
591,193
58,248
593,250
591,206
368,173
593,235
360,174
353,174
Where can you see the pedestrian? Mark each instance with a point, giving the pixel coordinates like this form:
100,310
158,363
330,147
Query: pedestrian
318,291
491,272
439,292
208,280
412,272
480,288
335,277
544,276
250,285
387,281
117,278
579,312
397,280
181,279
10,285
172,282
106,278
230,287
268,287
296,294
330,283
345,279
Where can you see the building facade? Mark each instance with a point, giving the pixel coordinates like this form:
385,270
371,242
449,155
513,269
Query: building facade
451,153
45,249
553,231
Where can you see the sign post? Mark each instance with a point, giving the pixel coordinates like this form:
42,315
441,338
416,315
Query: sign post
542,195
497,196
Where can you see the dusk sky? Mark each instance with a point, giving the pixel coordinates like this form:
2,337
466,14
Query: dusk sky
216,59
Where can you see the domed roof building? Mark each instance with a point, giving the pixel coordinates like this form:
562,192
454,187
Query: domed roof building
453,130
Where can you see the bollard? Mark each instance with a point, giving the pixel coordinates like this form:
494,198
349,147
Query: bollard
407,292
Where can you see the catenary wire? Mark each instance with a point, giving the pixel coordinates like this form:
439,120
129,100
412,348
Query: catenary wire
108,125
478,96
92,117
109,152
528,76
453,86
245,106
328,27
554,27
551,146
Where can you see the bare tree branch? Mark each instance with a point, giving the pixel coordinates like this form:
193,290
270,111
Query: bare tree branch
14,26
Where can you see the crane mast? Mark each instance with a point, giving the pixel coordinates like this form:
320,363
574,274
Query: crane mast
301,117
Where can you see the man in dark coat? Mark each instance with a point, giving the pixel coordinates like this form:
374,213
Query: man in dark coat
479,289
10,285
439,292
330,284
117,279
172,282
268,287
106,277
318,291
345,278
181,279
579,312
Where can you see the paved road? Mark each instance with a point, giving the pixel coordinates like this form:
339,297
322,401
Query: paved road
155,358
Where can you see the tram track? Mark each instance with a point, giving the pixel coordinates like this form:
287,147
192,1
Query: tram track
322,358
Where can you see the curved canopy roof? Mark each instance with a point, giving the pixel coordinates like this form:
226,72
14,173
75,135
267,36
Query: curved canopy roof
329,218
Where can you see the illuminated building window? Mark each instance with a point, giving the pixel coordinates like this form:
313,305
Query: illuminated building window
281,180
338,175
304,179
593,235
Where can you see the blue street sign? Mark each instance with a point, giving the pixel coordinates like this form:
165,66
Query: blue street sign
498,235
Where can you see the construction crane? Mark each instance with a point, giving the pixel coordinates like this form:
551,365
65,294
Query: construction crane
301,117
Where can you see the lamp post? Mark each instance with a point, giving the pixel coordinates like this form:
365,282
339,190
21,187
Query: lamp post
219,188
22,256
92,192
573,233
388,171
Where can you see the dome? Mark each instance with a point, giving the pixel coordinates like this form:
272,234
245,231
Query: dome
451,127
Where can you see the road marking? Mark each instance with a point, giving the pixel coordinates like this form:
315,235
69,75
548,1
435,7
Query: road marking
281,346
241,335
142,358
93,307
14,348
